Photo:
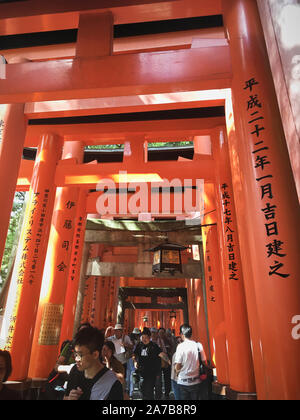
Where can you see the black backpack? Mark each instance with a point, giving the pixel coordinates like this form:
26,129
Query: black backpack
53,389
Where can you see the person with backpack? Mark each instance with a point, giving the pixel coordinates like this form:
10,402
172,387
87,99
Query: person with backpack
54,387
92,380
187,365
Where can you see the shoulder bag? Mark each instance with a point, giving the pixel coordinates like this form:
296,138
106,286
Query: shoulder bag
203,370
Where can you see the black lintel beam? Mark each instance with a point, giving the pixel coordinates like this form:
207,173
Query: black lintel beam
157,306
135,291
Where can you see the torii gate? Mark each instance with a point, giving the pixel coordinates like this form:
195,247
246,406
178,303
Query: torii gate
260,267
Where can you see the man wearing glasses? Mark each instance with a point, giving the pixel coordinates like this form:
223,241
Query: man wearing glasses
89,379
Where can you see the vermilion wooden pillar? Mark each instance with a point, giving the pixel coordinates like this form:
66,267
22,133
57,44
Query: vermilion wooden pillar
201,313
113,293
104,302
197,312
190,286
95,35
115,302
94,302
213,279
95,38
90,309
45,349
241,373
101,302
215,304
75,267
267,206
86,300
22,303
12,133
253,320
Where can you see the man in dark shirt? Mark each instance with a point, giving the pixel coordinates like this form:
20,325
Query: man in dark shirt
147,359
89,379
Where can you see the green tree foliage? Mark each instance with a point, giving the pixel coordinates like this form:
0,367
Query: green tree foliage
152,145
106,147
12,235
171,144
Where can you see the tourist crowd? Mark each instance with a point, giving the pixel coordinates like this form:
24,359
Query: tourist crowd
151,364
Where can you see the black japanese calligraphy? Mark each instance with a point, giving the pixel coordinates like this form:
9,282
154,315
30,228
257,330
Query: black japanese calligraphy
263,166
250,83
275,270
211,286
229,232
253,102
68,224
65,245
70,204
274,248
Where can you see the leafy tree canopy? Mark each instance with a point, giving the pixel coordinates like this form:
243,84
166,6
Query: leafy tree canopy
152,145
12,235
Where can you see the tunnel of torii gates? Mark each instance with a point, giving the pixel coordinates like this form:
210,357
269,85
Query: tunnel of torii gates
243,296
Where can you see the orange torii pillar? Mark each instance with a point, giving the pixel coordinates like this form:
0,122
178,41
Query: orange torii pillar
131,321
12,137
267,207
241,373
90,306
196,309
104,302
115,301
154,318
88,315
52,297
213,283
94,302
138,319
100,309
190,289
22,303
87,298
112,299
215,304
101,302
75,268
110,296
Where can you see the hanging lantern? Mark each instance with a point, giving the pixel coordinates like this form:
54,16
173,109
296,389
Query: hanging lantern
167,258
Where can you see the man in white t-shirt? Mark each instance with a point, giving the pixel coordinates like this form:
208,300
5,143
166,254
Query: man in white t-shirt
187,364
